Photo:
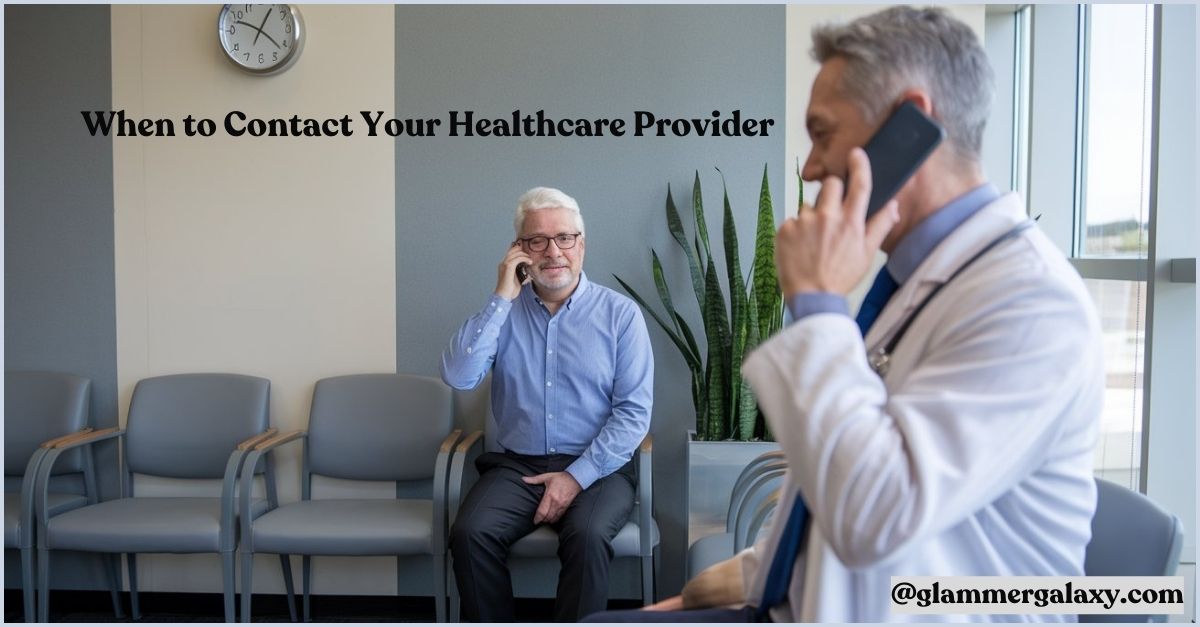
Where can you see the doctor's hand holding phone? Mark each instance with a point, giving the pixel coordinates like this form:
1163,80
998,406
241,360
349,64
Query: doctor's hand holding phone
513,272
829,246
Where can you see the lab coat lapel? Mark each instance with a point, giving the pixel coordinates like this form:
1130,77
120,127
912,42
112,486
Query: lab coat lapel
978,231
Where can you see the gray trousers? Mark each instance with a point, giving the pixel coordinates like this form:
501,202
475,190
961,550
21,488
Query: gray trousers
499,510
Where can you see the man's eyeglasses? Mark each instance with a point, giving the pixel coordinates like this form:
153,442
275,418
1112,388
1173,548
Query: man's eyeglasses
539,243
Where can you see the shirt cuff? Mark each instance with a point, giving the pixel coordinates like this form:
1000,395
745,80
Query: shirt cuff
585,472
809,303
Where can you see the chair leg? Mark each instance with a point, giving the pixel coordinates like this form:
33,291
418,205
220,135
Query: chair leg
247,583
647,579
27,589
307,575
135,611
112,564
439,586
452,597
228,583
43,586
285,562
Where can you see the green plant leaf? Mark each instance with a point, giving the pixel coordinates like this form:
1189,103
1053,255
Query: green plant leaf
675,226
748,414
737,309
766,282
668,328
701,224
716,328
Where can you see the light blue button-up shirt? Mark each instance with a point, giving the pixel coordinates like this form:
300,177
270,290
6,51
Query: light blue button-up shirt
580,382
909,252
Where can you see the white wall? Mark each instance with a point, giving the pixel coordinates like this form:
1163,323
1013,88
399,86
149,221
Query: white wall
268,257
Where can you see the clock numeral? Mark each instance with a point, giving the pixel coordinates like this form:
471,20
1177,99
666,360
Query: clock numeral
247,55
282,14
287,28
262,58
249,7
237,47
285,43
231,29
238,14
274,57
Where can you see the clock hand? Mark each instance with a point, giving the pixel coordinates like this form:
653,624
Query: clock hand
260,27
261,31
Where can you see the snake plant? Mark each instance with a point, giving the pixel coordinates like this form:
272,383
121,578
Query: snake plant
725,405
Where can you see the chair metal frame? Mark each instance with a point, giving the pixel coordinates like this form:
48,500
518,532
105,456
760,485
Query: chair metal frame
227,534
246,548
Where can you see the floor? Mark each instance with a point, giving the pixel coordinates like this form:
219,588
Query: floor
68,606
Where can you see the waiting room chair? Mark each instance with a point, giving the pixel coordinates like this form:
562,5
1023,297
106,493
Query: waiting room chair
752,500
187,426
368,427
41,409
1131,537
638,539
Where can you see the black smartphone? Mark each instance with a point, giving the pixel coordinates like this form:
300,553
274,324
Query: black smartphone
897,149
522,272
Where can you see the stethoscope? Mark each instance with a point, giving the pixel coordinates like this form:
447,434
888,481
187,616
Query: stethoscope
880,359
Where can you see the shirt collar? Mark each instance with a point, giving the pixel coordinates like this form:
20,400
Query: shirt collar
580,290
921,241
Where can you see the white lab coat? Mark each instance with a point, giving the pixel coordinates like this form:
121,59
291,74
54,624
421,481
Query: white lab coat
973,456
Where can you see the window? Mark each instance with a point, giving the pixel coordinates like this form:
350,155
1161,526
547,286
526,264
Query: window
1112,208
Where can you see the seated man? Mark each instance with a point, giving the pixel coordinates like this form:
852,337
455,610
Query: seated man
959,445
572,387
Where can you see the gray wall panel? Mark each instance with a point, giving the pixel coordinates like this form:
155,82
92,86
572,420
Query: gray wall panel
59,299
455,195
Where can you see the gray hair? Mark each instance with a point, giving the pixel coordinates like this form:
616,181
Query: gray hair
540,198
901,47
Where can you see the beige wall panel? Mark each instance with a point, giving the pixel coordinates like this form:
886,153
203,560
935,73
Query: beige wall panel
273,257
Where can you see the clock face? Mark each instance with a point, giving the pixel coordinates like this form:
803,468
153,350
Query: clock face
261,38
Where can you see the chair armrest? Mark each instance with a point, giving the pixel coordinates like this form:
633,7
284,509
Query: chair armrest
49,456
764,488
251,441
51,443
243,471
279,439
745,486
765,509
441,476
462,473
645,494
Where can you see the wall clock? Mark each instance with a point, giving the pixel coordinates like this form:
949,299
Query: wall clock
261,39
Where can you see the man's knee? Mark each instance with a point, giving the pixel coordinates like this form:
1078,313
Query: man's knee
470,532
590,539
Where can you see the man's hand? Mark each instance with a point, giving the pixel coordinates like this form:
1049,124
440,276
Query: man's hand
673,604
561,489
828,248
507,286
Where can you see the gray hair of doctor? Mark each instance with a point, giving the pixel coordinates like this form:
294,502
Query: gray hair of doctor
540,198
903,47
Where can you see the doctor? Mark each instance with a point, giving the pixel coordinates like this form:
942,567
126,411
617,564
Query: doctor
968,451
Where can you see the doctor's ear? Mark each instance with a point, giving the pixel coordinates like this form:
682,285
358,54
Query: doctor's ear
920,98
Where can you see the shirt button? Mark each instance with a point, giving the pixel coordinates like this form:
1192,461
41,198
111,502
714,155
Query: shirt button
549,352
468,349
551,450
548,384
550,416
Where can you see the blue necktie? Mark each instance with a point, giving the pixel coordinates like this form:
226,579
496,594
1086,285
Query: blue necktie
780,575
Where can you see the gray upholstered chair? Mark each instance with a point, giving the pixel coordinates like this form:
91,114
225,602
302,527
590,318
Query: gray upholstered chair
537,552
41,409
369,427
187,426
1131,537
752,500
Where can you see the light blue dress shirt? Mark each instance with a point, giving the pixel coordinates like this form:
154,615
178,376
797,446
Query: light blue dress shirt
580,382
909,252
